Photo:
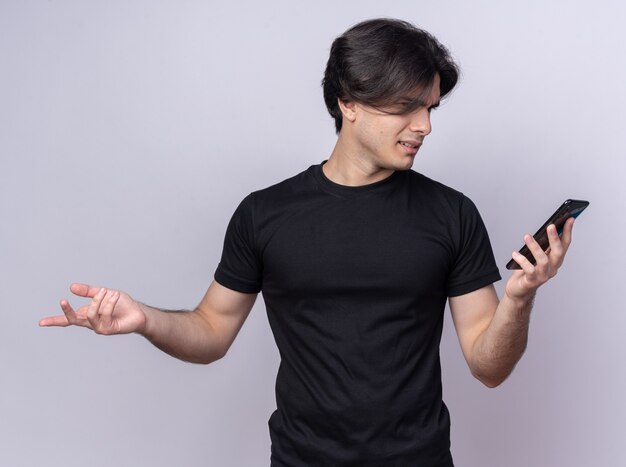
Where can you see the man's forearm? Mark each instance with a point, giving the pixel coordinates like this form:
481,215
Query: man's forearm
183,334
502,344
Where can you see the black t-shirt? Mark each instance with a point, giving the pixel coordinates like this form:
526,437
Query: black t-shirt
355,281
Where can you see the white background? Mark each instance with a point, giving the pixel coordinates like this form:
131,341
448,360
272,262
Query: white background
130,131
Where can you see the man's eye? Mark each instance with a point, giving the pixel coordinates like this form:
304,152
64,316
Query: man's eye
401,106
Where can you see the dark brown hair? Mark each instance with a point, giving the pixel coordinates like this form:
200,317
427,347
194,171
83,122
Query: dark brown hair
382,63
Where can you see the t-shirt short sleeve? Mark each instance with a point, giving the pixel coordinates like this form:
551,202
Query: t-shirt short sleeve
474,265
240,267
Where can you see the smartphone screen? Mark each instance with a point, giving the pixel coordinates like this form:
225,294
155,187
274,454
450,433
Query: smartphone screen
570,208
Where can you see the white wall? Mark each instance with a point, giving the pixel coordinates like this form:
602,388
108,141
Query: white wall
129,132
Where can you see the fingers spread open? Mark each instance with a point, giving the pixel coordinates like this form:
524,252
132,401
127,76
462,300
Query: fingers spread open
69,312
71,316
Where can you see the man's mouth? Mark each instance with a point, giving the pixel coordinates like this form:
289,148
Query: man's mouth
410,146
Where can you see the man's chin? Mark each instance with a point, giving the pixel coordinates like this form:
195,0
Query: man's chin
405,164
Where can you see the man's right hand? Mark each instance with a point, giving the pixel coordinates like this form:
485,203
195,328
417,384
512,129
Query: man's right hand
110,312
199,336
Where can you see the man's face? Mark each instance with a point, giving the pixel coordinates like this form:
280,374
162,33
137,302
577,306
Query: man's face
391,141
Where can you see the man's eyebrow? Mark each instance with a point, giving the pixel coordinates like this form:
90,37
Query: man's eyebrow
417,102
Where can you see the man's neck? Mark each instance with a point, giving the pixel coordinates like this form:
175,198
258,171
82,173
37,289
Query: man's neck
346,167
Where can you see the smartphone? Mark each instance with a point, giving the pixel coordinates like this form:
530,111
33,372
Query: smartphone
570,208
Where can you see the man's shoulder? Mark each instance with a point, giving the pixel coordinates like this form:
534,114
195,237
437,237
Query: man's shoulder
287,186
434,188
444,200
292,190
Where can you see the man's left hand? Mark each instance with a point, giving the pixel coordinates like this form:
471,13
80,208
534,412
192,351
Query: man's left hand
523,283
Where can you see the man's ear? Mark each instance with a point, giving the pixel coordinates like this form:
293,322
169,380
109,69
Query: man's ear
348,109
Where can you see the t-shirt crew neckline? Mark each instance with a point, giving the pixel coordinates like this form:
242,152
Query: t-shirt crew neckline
347,190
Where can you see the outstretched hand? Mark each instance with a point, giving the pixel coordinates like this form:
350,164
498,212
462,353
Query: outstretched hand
109,312
523,283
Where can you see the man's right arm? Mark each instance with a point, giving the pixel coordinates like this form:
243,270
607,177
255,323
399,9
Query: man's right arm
199,336
204,334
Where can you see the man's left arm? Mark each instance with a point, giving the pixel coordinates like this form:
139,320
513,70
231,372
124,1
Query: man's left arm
493,333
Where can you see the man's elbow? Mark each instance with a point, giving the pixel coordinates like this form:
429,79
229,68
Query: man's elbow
216,352
204,359
490,380
490,373
492,383
214,344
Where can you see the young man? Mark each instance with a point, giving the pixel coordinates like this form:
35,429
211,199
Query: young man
356,257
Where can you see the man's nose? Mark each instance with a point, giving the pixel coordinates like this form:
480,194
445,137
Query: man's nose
420,121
